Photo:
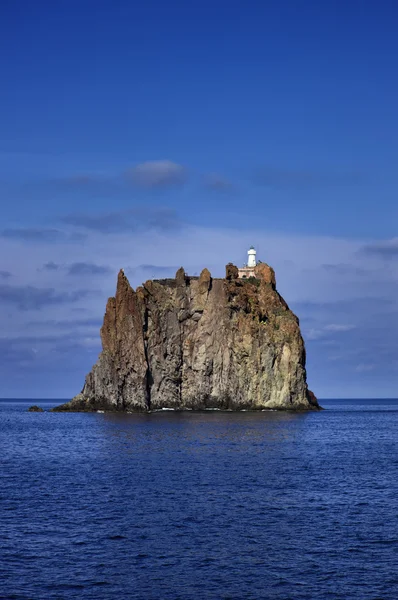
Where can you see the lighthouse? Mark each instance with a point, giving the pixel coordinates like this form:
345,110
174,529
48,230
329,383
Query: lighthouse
248,270
251,261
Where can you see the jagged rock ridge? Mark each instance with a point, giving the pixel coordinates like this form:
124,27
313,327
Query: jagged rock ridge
196,343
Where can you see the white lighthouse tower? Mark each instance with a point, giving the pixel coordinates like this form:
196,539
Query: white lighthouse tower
251,260
248,270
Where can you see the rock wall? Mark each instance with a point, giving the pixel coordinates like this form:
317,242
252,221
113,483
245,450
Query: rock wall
196,343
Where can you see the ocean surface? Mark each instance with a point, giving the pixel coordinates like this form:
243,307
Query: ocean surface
200,506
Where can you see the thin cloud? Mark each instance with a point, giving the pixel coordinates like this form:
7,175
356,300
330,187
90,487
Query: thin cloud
344,269
157,174
30,297
14,354
146,175
133,220
326,331
67,324
154,271
5,274
41,234
161,269
303,179
385,249
84,268
31,350
79,180
336,327
365,368
216,183
51,266
87,184
77,268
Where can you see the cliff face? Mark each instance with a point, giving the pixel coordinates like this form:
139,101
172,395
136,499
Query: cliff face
195,343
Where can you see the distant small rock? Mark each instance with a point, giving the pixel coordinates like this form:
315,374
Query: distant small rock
35,408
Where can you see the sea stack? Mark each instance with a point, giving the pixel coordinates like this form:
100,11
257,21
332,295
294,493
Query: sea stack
199,343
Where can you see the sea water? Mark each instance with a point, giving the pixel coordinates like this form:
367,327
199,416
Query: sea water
215,505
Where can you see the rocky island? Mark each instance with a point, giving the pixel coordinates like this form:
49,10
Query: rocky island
198,343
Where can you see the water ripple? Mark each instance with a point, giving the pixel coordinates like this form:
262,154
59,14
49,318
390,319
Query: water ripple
213,505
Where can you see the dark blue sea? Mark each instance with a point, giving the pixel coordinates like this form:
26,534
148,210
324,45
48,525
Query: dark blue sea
213,505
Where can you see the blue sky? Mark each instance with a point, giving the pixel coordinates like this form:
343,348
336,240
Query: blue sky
149,137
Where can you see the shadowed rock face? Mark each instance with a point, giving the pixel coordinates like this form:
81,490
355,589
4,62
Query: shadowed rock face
198,343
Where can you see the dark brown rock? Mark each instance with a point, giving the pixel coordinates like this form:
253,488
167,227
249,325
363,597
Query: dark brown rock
312,399
265,273
198,343
35,408
181,277
232,272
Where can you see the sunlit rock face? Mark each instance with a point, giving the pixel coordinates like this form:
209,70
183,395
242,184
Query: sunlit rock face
197,343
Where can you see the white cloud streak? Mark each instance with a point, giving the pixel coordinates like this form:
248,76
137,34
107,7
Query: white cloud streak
345,301
157,173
